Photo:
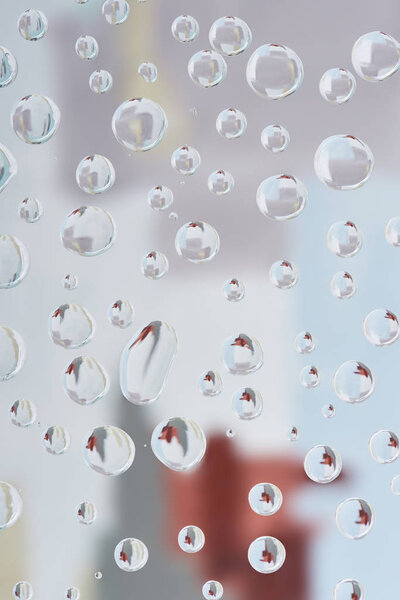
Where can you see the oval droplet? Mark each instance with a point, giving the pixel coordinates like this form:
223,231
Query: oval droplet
14,261
71,326
12,353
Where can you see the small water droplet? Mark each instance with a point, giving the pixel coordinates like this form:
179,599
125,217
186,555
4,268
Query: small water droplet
283,274
100,81
337,85
275,138
242,354
247,403
266,554
109,450
197,242
281,197
131,555
343,286
207,68
86,47
71,326
343,162
384,446
115,12
348,589
185,28
23,590
191,539
274,71
86,513
375,56
178,443
309,376
32,24
35,119
231,123
30,210
212,590
230,36
354,518
322,464
88,230
381,327
353,382
85,380
22,413
148,72
8,67
56,440
154,265
210,383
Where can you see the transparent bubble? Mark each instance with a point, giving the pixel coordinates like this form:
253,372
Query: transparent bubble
220,182
32,24
100,81
342,285
230,36
10,505
283,274
247,403
242,354
395,485
197,242
86,47
274,71
70,282
305,342
139,124
173,216
30,210
56,440
98,575
73,593
186,160
281,197
322,464
234,290
337,85
381,327
343,162
375,56
146,361
8,67
266,554
154,265
392,231
22,413
35,119
8,167
115,12
71,326
185,28
309,376
231,123
85,380
131,555
23,590
14,261
109,450
160,197
148,71
354,518
191,539
178,443
265,499
275,138
230,433
344,239
353,382
95,174
120,314
12,353
212,590
384,446
328,411
86,513
348,589
207,68
292,434
88,230
210,383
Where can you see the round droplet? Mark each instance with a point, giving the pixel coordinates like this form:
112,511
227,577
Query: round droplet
281,197
71,326
178,443
109,450
86,47
139,124
265,499
375,56
210,383
234,290
8,167
185,28
343,162
207,68
322,464
247,403
230,36
8,67
56,440
23,590
381,327
328,411
73,593
148,71
22,413
220,182
35,119
70,282
160,197
197,242
231,123
292,434
349,589
275,138
131,555
85,380
266,554
274,71
32,25
185,160
283,274
154,265
100,81
98,575
353,382
337,85
212,590
354,518
384,446
395,485
191,539
95,174
14,261
86,513
344,239
309,376
88,230
120,314
343,286
115,12
12,353
392,231
30,210
242,354
10,505
305,342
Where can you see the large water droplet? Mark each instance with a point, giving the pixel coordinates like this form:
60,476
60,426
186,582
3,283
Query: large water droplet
322,464
266,554
115,12
337,85
109,450
35,119
381,327
88,230
384,446
348,589
10,505
185,28
139,124
376,56
354,518
85,380
197,242
207,68
281,197
56,440
353,382
71,326
95,174
131,555
265,499
230,36
212,590
344,239
32,25
274,71
231,123
14,261
86,513
120,314
8,67
178,443
247,403
242,354
191,539
12,353
22,413
86,47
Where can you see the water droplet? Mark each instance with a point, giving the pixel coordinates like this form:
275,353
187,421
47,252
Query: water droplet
230,36
139,124
86,47
281,197
22,413
173,216
70,282
197,242
14,261
392,231
231,123
274,71
86,513
395,485
35,119
131,555
95,174
146,361
207,68
234,290
10,505
178,443
337,85
322,464
309,376
32,25
115,12
185,160
100,81
283,274
384,446
154,265
247,403
343,162
193,112
328,411
212,590
160,197
56,440
275,138
98,575
230,433
381,327
148,71
354,518
375,56
88,230
220,182
348,589
8,67
266,554
12,353
292,434
242,354
344,239
353,382
210,383
265,499
30,210
185,28
305,342
120,314
23,590
109,450
343,286
191,539
71,326
73,593
85,380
